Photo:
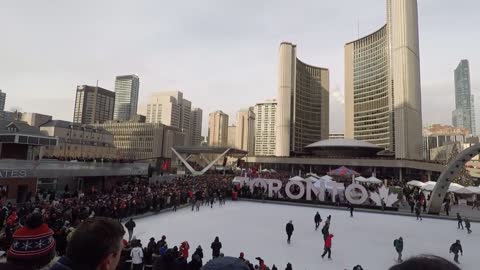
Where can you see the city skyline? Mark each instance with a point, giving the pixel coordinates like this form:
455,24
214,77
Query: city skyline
181,64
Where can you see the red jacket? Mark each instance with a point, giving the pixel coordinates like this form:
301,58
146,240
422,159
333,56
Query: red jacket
328,241
184,249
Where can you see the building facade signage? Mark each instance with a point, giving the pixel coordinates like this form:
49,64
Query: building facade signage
13,173
354,193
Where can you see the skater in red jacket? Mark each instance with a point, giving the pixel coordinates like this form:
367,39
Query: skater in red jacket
328,246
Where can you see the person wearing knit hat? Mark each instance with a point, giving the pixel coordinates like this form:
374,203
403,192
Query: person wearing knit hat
33,244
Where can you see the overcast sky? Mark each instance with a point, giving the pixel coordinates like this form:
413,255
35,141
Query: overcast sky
221,54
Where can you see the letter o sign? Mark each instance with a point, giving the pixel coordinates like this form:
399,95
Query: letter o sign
352,187
289,193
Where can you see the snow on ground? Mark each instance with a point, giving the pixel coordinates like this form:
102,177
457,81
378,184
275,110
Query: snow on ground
258,229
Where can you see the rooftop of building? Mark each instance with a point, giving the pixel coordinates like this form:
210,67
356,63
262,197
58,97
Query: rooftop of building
70,125
350,143
18,127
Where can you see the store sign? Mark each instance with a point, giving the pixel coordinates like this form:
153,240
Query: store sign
354,193
13,173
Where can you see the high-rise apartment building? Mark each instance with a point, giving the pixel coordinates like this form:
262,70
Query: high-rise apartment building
93,104
265,117
464,113
196,126
126,97
232,132
245,131
218,129
382,84
302,103
170,108
3,98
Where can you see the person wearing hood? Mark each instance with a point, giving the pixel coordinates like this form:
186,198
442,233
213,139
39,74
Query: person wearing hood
317,220
289,266
467,225
216,246
152,246
328,247
199,252
289,229
398,244
184,248
455,248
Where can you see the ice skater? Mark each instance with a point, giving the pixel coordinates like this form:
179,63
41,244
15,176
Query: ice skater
328,247
350,206
317,220
455,248
467,225
212,200
418,211
289,229
325,231
130,225
447,208
398,244
460,222
197,205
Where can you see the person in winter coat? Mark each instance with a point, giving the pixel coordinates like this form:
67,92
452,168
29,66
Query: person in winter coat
289,229
162,242
329,219
130,225
447,208
317,220
137,257
261,263
199,252
242,256
152,246
460,222
325,231
196,262
398,244
184,247
216,246
350,207
418,210
467,225
455,248
328,246
289,266
274,267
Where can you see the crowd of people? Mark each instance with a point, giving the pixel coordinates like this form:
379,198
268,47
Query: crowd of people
84,230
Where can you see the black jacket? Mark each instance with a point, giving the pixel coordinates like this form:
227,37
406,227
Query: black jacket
317,218
289,228
216,246
455,248
130,225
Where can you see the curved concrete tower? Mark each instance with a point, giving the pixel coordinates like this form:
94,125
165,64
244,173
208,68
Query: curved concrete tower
302,103
382,84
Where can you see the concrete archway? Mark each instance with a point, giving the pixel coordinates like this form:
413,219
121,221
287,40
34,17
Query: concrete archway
443,182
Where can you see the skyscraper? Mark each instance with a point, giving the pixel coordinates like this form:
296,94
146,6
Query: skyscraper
232,133
382,84
245,131
126,97
196,126
3,98
265,117
170,108
93,105
303,103
218,129
464,113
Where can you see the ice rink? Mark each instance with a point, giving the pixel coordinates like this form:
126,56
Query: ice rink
258,229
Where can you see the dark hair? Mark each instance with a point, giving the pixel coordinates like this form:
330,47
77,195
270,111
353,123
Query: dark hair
425,262
94,239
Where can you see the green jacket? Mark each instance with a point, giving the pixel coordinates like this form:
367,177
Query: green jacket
398,244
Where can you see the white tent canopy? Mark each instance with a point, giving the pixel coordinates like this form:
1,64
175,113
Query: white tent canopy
374,180
454,187
463,191
360,179
296,178
415,183
311,179
429,186
313,175
475,190
326,177
265,170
